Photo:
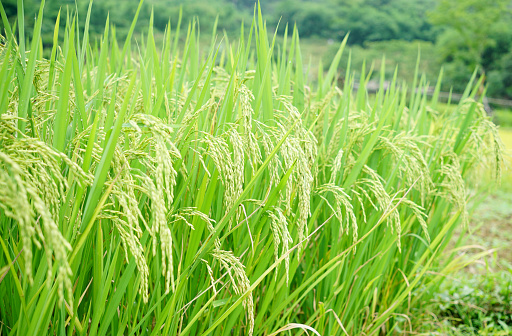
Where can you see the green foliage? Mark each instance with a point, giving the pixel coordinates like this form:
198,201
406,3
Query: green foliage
477,34
477,304
11,10
229,18
385,20
176,190
314,19
365,20
500,76
468,33
472,21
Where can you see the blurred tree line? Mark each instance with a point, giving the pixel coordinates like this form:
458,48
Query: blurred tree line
476,33
366,20
467,33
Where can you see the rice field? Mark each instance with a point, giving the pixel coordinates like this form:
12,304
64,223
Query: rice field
154,189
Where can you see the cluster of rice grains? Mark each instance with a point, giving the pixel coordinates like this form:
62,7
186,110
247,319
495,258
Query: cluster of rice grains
191,177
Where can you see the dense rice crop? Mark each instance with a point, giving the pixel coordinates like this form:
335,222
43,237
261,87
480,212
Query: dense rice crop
166,190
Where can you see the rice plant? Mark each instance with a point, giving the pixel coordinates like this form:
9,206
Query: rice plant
165,189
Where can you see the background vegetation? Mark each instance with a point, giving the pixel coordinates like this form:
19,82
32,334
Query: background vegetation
465,33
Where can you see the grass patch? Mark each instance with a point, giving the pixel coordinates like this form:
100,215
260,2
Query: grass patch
476,305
